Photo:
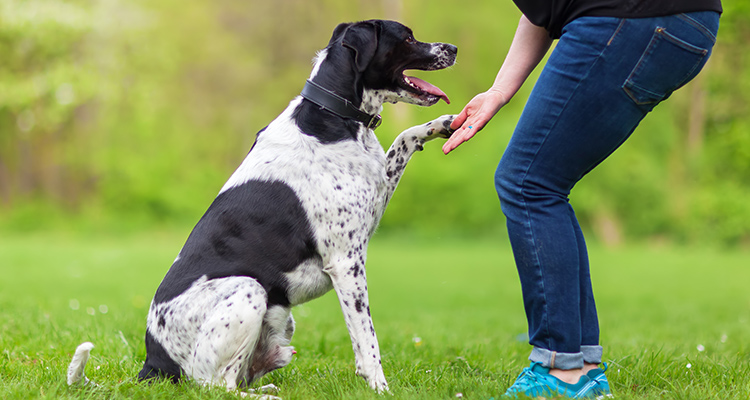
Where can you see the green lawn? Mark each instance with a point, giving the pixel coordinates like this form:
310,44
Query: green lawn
675,321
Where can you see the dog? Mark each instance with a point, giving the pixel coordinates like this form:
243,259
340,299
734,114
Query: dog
295,218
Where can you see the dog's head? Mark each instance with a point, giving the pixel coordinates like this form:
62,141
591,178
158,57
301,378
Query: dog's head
376,53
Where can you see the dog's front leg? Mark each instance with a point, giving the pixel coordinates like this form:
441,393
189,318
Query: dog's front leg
408,142
349,281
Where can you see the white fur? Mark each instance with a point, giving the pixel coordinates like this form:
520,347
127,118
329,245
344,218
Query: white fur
75,369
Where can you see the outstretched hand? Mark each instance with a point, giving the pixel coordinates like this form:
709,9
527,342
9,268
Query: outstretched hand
474,117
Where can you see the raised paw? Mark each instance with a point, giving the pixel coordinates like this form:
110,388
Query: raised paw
439,127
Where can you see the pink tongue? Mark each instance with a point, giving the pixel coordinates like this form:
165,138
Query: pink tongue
429,88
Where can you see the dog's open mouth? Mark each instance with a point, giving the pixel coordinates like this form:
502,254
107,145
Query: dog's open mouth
424,89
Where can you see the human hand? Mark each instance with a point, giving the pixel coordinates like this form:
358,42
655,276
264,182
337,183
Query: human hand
474,117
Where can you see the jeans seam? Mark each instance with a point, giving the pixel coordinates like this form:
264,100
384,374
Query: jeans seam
533,241
614,35
698,25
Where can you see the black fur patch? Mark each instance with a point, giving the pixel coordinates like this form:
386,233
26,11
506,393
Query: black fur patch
257,229
158,363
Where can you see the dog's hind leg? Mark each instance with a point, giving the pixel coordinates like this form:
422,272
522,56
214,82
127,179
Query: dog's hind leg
226,339
273,350
410,141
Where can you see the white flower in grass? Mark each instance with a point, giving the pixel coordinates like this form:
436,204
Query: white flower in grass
103,309
459,395
74,304
724,338
417,341
701,348
90,311
688,366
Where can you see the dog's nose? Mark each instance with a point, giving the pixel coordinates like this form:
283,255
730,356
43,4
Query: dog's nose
450,48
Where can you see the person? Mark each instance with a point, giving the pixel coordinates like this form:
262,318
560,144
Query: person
614,61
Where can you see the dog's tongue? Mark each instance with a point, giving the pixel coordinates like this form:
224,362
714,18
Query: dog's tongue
429,88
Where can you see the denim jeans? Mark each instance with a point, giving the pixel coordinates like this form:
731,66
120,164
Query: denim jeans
604,75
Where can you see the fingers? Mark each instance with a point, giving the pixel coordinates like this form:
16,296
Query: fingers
461,135
477,113
465,125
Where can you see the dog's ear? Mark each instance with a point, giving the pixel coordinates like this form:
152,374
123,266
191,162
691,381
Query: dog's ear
362,37
338,32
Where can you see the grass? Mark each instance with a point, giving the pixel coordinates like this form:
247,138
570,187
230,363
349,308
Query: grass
448,313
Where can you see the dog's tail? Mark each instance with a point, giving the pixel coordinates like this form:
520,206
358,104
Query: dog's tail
75,369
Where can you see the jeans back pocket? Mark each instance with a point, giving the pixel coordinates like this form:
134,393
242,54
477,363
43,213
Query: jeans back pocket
667,64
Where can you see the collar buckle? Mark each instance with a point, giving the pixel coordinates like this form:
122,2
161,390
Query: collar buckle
375,121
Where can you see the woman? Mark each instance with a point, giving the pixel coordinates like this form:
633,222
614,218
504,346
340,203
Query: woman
615,60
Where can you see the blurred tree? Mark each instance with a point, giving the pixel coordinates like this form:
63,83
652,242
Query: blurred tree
135,112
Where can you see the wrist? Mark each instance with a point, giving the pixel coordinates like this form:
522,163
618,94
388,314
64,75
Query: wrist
499,96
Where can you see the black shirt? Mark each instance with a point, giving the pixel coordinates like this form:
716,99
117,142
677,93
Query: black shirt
553,15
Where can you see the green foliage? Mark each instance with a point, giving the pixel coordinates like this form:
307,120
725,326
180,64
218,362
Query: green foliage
121,115
442,330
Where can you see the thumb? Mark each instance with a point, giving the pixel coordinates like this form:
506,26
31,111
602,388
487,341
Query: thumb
460,119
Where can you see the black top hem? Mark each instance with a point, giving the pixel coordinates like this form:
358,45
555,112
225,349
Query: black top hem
553,15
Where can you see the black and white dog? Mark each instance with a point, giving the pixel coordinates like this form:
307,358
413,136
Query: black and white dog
295,219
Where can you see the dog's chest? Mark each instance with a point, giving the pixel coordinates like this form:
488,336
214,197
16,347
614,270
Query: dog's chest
341,186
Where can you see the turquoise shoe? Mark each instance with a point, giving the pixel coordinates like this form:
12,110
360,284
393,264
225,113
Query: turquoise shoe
535,381
598,386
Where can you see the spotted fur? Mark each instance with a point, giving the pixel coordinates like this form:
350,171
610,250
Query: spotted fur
293,222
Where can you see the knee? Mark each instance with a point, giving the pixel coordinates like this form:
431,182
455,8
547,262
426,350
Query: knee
508,185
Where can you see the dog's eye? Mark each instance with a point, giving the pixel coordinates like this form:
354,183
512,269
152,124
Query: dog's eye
411,40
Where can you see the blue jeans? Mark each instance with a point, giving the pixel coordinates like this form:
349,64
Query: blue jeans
603,77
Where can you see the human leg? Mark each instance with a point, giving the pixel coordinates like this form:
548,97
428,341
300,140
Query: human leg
603,77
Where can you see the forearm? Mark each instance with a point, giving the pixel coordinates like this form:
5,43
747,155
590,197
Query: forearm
529,46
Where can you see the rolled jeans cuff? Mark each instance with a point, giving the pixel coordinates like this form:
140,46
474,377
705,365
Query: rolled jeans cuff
553,359
592,354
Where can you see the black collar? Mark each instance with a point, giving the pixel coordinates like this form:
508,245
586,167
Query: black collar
338,105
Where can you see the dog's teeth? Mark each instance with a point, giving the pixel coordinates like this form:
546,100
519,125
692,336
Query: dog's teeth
408,81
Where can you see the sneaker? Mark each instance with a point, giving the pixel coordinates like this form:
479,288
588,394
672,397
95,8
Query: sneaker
535,381
598,386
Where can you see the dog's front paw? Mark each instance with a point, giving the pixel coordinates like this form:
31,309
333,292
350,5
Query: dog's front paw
376,379
439,127
380,385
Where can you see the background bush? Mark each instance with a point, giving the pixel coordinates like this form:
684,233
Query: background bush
131,114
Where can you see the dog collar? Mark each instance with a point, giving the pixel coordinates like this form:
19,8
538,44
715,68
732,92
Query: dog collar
338,105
